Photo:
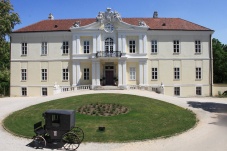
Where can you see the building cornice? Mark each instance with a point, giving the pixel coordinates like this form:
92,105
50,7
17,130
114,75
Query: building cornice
152,59
39,60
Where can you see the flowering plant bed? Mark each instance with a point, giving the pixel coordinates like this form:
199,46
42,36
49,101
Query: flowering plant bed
98,109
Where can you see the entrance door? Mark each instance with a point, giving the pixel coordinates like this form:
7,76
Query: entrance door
109,77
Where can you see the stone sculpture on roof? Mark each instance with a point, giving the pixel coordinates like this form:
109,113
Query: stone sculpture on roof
142,23
108,16
76,24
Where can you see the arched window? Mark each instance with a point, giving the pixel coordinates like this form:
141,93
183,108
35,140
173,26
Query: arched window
109,45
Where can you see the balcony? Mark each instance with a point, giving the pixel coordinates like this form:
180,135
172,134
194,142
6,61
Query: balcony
108,54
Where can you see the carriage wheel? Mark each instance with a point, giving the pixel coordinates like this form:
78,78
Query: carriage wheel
71,140
39,142
79,132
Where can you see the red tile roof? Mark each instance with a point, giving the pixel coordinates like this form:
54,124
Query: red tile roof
153,23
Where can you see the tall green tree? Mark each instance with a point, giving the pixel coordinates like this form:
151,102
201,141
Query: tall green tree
220,61
8,19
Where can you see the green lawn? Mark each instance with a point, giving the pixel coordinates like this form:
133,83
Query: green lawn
147,118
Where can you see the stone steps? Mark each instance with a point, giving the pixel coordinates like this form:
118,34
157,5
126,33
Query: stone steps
107,88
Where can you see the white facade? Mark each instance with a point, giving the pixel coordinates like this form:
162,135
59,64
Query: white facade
111,52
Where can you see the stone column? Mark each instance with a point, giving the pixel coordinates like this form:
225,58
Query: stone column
76,73
143,79
145,75
95,73
94,44
119,43
123,44
141,73
119,73
98,73
140,44
145,44
74,45
122,73
98,43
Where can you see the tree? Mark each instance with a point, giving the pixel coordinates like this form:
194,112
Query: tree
8,19
219,62
225,48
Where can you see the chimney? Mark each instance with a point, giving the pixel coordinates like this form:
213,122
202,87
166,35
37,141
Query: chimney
51,17
155,15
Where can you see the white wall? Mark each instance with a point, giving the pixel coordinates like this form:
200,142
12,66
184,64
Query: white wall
165,60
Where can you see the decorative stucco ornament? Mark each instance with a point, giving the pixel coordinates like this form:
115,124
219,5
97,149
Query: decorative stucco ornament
100,16
117,16
142,23
108,16
56,86
76,24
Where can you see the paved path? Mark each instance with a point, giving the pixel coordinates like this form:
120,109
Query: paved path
209,135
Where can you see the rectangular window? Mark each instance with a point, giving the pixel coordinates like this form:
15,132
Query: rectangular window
55,120
176,73
132,46
176,46
23,74
198,90
24,91
44,91
24,49
86,46
154,46
86,73
198,73
177,91
65,47
44,74
154,73
132,73
197,46
65,74
44,48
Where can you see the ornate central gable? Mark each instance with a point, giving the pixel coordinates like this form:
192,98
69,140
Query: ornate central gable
109,21
108,16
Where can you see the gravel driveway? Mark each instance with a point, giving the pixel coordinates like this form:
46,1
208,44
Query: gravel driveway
209,135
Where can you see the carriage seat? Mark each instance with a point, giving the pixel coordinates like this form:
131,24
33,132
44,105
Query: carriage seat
38,129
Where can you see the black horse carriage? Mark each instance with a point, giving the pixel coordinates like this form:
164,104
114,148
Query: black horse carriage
59,128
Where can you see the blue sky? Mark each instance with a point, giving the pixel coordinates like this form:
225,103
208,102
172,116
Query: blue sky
208,13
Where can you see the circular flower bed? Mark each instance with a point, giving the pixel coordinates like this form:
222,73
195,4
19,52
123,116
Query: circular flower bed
103,109
146,118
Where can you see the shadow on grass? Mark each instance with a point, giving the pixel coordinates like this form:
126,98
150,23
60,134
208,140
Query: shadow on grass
213,108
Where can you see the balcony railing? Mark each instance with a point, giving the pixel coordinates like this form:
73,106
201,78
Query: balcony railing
108,54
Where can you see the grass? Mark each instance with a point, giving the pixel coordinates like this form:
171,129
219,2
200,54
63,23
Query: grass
147,118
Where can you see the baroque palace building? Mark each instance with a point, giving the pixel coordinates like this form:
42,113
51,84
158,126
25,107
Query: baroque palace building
167,55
